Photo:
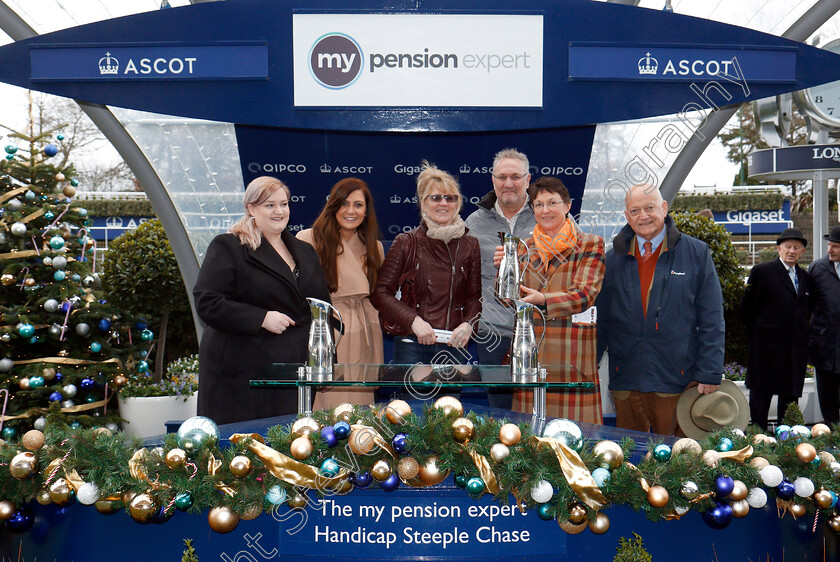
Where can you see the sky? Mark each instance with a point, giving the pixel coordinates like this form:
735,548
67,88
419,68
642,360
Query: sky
711,170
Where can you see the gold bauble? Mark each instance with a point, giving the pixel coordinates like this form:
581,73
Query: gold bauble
688,445
24,383
107,507
42,496
600,525
657,496
449,404
397,410
798,510
711,458
301,448
571,528
60,177
806,452
344,487
362,441
608,453
833,522
222,519
304,426
499,452
430,472
462,429
48,373
822,499
510,434
102,431
7,279
175,458
380,470
297,501
739,491
68,191
29,281
120,381
240,466
344,412
32,440
23,465
826,458
408,468
759,462
142,508
577,513
7,509
127,496
251,512
740,508
759,438
819,429
60,492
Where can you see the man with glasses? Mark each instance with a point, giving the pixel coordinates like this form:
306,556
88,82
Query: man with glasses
660,316
504,209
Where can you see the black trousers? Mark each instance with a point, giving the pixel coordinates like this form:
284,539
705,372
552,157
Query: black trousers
828,391
760,406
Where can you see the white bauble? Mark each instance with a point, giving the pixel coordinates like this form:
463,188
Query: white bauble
542,491
771,476
804,487
757,498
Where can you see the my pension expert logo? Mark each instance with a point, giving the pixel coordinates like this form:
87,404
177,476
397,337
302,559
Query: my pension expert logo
336,60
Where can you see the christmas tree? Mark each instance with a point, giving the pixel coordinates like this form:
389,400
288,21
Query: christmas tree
59,340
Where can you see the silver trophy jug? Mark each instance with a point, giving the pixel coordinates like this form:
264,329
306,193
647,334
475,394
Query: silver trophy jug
321,346
524,363
507,282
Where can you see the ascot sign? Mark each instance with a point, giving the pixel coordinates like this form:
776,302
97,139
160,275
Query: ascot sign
420,60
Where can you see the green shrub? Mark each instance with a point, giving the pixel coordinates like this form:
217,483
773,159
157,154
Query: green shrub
632,550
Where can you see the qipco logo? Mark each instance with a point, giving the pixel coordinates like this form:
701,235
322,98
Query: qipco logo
335,60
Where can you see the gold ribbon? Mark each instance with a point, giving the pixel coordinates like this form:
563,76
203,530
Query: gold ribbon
575,472
487,474
138,471
213,466
740,455
65,361
32,216
18,255
289,470
12,193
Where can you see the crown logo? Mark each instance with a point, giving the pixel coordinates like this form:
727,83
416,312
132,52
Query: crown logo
114,222
325,168
465,169
108,65
395,198
648,64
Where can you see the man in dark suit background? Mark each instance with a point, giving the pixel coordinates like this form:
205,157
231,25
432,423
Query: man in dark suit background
776,309
824,344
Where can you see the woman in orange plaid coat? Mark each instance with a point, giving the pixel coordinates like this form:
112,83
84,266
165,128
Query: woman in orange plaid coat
563,275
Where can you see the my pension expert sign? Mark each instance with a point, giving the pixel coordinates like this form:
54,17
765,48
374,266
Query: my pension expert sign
434,523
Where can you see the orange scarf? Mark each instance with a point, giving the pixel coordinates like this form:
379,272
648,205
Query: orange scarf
548,247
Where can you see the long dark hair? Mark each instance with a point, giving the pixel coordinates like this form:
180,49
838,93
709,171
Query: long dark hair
327,235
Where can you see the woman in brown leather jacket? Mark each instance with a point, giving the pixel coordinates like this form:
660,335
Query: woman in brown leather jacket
437,267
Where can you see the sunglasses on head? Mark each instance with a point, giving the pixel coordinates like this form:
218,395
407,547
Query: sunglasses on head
448,198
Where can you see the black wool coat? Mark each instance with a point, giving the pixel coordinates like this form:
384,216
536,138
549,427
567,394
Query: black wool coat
235,288
825,323
777,323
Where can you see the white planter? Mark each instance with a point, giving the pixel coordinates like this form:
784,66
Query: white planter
808,403
147,416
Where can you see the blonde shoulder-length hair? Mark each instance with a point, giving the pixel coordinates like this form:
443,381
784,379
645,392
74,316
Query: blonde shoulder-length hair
256,193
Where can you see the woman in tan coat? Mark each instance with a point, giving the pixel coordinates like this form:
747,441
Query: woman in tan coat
346,238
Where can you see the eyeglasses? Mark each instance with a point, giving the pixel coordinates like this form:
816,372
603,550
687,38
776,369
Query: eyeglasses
448,198
514,179
551,205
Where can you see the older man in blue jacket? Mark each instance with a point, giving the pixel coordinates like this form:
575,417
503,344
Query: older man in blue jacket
660,316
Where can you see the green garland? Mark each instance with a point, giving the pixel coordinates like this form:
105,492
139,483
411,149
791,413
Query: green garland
103,459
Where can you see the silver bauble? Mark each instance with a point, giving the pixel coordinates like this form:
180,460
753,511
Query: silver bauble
15,204
40,423
50,305
59,262
689,490
54,330
88,281
565,431
69,390
68,404
82,329
18,229
6,365
112,427
47,261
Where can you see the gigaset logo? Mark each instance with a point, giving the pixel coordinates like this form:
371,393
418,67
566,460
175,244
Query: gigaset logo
336,60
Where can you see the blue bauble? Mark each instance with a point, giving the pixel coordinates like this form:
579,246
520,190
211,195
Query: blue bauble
391,483
50,150
9,433
328,435
341,429
196,433
49,215
146,335
184,501
34,339
475,485
26,330
601,476
96,347
75,425
330,468
142,366
11,149
30,196
36,381
786,490
59,376
461,480
140,325
833,498
275,495
65,306
362,479
59,137
104,324
75,278
400,443
162,516
719,516
724,485
74,182
86,383
82,212
57,242
21,520
782,429
545,511
816,462
10,157
59,276
55,396
662,452
725,444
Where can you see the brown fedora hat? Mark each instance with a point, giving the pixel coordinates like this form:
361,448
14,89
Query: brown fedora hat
700,414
